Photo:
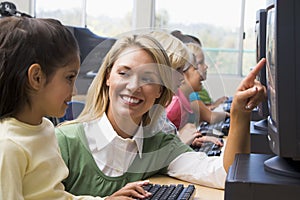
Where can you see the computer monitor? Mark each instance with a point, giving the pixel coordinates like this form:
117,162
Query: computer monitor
260,35
283,85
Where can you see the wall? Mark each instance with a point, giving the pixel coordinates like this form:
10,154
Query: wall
220,85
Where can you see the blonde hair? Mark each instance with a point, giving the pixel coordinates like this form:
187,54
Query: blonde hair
194,48
97,99
178,53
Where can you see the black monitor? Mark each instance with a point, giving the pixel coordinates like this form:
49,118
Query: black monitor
283,85
260,35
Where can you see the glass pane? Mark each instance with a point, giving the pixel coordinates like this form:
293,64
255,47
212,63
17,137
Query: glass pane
217,24
69,12
249,56
111,18
102,17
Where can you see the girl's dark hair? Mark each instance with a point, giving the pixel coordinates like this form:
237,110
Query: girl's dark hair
23,42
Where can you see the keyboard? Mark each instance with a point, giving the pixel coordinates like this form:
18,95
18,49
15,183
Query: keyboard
227,104
210,148
170,192
217,129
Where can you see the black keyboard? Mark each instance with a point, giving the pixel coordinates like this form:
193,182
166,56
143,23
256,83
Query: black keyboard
210,148
227,104
217,129
170,192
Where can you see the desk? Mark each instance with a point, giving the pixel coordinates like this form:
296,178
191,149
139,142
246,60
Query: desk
202,193
248,180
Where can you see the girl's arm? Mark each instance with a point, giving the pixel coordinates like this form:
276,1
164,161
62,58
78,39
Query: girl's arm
205,114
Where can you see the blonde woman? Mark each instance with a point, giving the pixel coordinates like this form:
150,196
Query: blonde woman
113,141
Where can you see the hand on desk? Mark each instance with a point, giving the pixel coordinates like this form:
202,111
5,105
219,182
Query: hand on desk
132,190
188,133
190,136
218,102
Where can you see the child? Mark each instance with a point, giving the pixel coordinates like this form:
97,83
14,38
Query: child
203,94
182,117
39,62
193,76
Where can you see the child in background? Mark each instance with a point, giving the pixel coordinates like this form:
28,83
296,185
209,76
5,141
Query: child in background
203,93
200,62
205,114
39,62
183,116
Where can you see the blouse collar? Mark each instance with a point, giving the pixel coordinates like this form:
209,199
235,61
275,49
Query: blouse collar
100,133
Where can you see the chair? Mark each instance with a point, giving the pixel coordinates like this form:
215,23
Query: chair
73,110
93,49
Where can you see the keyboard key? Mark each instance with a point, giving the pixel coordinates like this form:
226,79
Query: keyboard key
210,148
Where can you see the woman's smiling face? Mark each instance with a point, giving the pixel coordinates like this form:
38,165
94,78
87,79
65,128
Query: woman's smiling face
134,85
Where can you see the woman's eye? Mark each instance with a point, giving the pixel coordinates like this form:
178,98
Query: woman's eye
124,73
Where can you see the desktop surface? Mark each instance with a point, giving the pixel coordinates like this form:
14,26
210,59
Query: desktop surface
201,192
248,180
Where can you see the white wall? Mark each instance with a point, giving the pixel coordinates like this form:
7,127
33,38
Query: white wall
222,85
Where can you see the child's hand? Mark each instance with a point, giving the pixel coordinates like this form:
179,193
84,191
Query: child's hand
188,133
130,191
200,140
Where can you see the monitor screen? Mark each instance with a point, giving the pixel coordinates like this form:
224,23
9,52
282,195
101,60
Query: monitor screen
260,35
283,85
271,69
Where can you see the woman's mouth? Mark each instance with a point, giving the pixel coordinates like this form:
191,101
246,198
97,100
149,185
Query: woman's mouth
131,100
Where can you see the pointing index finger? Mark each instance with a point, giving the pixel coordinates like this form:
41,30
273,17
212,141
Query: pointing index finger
254,72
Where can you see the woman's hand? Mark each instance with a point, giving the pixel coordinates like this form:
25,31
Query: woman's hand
250,92
131,191
248,95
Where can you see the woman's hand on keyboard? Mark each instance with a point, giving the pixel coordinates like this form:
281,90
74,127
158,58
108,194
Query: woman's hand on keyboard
132,190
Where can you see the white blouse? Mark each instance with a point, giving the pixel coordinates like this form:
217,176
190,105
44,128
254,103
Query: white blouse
114,154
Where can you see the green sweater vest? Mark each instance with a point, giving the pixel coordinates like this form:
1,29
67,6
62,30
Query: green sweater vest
85,178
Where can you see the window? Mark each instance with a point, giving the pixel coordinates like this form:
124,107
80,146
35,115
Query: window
69,12
218,25
109,17
103,17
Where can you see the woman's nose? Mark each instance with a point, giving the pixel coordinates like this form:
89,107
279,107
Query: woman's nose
133,83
